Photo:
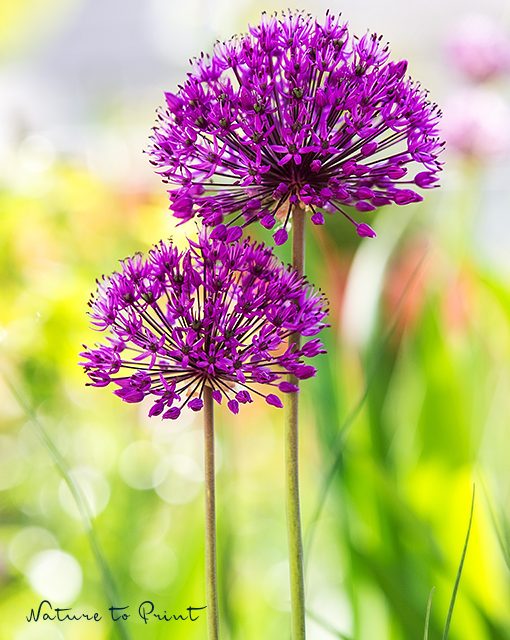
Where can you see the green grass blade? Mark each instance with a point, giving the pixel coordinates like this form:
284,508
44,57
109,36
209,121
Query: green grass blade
427,617
81,503
459,571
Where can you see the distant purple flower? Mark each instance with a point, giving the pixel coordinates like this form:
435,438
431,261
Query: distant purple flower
476,124
480,48
217,314
296,112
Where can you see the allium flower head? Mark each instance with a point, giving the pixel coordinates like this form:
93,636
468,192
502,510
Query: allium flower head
476,124
480,48
296,112
217,314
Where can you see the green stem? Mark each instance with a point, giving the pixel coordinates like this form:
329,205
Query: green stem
297,590
210,519
459,570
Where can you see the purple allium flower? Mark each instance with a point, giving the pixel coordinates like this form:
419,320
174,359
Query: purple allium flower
296,112
480,48
217,314
476,124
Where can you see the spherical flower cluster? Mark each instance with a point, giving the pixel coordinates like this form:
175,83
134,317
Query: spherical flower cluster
217,314
295,113
477,124
480,48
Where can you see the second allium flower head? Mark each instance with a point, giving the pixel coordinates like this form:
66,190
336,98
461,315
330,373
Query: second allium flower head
295,113
218,314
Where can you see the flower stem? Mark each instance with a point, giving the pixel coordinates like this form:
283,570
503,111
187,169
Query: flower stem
210,519
297,590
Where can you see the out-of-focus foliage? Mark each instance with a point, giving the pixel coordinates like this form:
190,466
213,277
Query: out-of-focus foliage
418,356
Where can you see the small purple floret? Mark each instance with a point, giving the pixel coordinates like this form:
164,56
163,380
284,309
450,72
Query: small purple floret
196,404
288,387
365,231
233,405
280,237
274,400
244,397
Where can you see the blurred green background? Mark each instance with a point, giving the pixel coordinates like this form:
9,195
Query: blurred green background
409,409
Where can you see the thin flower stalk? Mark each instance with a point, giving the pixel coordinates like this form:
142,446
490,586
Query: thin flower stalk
211,323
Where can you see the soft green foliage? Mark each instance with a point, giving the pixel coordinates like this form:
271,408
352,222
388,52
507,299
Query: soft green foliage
400,421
